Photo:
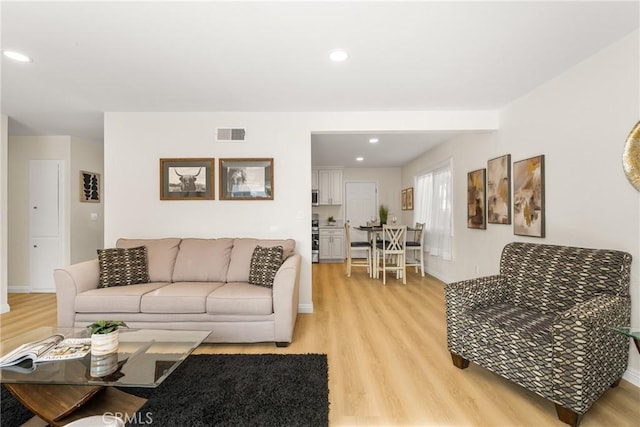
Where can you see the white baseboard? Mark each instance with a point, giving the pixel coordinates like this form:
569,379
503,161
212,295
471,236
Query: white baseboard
18,289
305,308
633,376
4,308
438,276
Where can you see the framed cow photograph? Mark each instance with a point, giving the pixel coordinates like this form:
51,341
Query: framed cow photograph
187,179
246,179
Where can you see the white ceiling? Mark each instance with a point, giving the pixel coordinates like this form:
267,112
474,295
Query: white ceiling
92,57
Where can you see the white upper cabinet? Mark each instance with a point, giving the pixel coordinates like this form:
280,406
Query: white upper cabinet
330,186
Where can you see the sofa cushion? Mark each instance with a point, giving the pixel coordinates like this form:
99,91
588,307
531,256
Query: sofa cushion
161,254
243,251
265,263
120,299
180,297
203,260
240,298
120,267
510,320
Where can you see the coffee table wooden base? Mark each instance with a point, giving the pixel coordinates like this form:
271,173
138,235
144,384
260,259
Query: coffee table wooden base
60,404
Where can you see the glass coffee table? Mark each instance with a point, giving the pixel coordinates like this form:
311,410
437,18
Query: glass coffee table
63,391
631,333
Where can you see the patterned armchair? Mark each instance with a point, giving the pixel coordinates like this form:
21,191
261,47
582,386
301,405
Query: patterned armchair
544,322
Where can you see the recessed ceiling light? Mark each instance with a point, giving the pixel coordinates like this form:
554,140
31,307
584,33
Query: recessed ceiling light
338,55
359,159
373,140
16,56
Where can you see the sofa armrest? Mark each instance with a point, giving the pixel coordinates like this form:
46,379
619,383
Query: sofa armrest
468,295
285,298
70,281
587,355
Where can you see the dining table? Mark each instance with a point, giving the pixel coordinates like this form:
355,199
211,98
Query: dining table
373,234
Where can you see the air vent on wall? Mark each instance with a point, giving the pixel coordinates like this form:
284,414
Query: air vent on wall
230,134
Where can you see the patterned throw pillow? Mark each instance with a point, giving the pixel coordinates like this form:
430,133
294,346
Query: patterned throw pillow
120,266
265,263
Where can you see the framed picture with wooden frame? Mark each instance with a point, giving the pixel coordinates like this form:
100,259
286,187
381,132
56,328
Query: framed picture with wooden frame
89,187
410,198
528,197
499,190
403,199
476,199
246,179
187,179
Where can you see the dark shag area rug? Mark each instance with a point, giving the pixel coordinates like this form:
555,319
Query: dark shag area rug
227,390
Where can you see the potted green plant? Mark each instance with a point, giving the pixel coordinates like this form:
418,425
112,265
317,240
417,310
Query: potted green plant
331,220
384,212
104,336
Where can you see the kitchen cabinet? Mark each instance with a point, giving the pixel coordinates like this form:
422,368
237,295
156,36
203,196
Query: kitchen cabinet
332,244
330,186
314,179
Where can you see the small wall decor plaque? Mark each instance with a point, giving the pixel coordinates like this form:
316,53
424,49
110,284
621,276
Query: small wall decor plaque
89,187
410,198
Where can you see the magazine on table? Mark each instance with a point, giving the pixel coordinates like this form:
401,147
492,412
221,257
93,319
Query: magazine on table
55,347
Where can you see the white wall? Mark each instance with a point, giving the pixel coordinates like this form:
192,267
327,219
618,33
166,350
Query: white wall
86,235
22,149
134,143
579,121
4,155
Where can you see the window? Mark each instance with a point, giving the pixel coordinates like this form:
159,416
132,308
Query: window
432,205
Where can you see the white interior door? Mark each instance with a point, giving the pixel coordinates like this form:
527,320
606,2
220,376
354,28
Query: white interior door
361,203
45,220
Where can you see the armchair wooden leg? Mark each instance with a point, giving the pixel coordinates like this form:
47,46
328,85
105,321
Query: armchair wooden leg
568,416
459,361
616,383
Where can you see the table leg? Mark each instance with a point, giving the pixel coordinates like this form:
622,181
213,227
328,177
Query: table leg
60,404
374,255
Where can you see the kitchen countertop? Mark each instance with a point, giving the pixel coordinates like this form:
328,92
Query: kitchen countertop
327,226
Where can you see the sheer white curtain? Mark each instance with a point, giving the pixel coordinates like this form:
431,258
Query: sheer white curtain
433,201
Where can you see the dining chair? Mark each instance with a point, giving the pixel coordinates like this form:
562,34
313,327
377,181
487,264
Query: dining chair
356,246
391,252
416,247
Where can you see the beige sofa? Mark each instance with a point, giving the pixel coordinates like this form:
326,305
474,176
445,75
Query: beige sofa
199,284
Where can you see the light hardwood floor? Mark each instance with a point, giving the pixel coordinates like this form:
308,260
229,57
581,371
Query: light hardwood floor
388,358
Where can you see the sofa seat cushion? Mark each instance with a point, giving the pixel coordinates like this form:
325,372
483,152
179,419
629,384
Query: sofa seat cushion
118,299
240,298
203,260
161,254
179,297
513,342
514,322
